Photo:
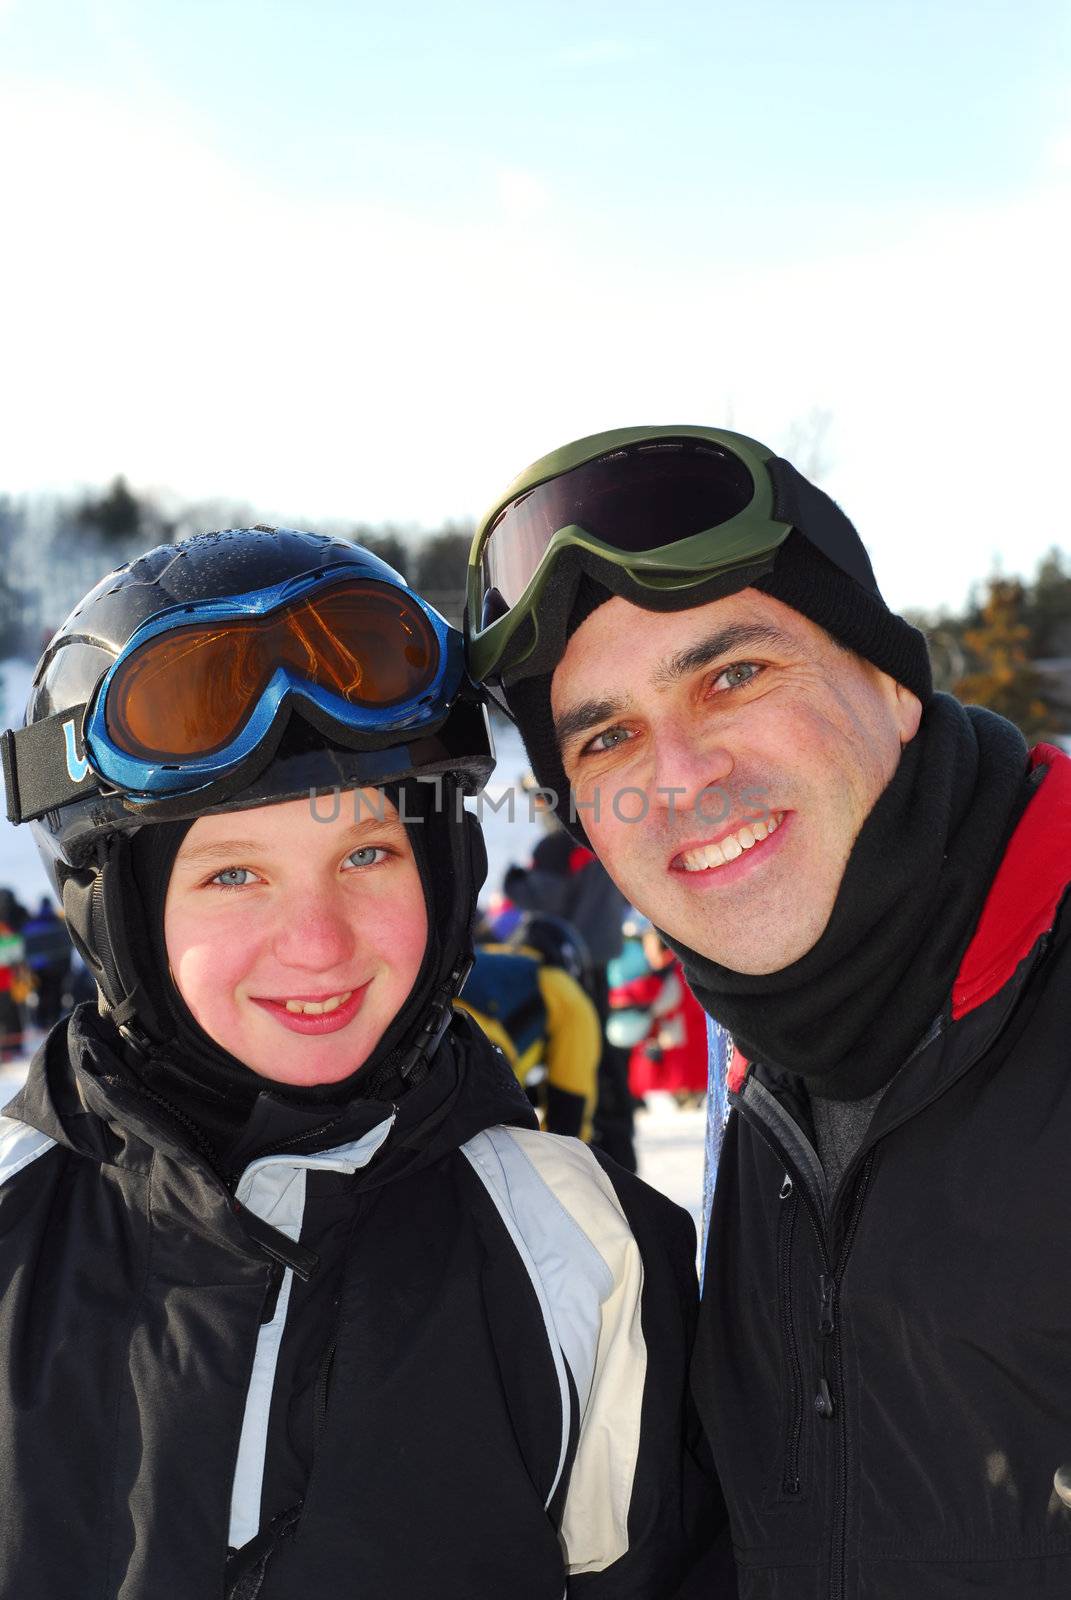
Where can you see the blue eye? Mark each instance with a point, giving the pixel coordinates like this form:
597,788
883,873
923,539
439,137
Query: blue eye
608,739
367,856
750,669
232,877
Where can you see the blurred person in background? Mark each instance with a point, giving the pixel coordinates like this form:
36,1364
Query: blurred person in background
13,913
12,971
527,994
655,1015
48,958
566,880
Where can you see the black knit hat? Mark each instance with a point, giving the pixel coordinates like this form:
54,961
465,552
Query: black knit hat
841,595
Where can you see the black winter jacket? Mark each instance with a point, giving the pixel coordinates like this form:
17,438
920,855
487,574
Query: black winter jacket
430,1354
884,1372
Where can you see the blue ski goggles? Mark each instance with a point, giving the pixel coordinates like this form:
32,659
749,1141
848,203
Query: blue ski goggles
200,688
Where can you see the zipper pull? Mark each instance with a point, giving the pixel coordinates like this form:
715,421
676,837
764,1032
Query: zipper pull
826,1321
823,1400
786,1188
271,1293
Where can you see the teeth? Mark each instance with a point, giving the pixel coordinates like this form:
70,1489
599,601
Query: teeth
729,848
316,1008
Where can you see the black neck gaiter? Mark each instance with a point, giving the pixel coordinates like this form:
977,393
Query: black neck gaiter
848,1013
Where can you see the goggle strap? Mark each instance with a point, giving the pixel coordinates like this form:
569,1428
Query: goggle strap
45,766
819,518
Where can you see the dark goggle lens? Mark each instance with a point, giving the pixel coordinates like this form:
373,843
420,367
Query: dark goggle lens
637,499
189,692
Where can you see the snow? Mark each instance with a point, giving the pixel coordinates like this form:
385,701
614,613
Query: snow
669,1149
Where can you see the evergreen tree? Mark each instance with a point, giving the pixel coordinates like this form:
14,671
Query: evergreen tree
386,543
122,521
1001,656
441,560
115,516
1047,612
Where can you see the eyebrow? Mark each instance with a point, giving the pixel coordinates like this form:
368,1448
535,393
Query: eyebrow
201,854
737,636
588,714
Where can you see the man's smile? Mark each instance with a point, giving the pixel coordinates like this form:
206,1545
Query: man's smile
728,846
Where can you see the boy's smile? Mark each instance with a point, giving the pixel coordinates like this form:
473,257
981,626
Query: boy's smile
315,1014
294,940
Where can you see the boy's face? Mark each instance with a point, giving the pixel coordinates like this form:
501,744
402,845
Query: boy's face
271,910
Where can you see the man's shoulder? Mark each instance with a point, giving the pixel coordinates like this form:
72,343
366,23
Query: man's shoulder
1027,897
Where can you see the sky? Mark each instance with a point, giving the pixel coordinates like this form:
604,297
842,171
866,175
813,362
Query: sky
337,260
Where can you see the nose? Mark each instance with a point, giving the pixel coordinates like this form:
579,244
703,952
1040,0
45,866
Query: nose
689,763
316,932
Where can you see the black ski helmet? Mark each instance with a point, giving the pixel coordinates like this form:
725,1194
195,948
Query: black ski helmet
83,826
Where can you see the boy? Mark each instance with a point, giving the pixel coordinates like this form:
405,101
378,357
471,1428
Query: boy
293,1297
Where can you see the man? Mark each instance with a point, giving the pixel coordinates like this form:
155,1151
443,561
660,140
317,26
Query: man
866,883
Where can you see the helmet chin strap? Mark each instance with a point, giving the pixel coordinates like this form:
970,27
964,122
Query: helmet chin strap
415,1064
96,904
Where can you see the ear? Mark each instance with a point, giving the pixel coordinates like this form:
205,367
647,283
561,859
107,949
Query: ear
908,712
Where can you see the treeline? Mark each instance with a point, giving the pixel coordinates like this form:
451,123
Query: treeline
123,521
1010,648
52,550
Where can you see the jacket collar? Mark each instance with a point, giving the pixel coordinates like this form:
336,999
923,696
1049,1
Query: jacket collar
81,1093
1023,900
1026,892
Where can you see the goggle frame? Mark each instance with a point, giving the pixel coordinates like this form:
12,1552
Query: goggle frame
140,779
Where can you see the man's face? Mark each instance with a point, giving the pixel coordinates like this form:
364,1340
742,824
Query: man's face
723,760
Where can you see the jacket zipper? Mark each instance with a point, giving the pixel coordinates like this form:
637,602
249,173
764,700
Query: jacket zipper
790,1471
839,1548
762,1118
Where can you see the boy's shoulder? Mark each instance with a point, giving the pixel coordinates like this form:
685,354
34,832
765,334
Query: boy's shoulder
533,1175
20,1146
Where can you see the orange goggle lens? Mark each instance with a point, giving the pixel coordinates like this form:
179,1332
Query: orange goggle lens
189,691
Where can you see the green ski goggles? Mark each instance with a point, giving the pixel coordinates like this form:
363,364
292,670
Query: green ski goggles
668,508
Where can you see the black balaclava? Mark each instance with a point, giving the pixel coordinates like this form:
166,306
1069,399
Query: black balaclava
203,1082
